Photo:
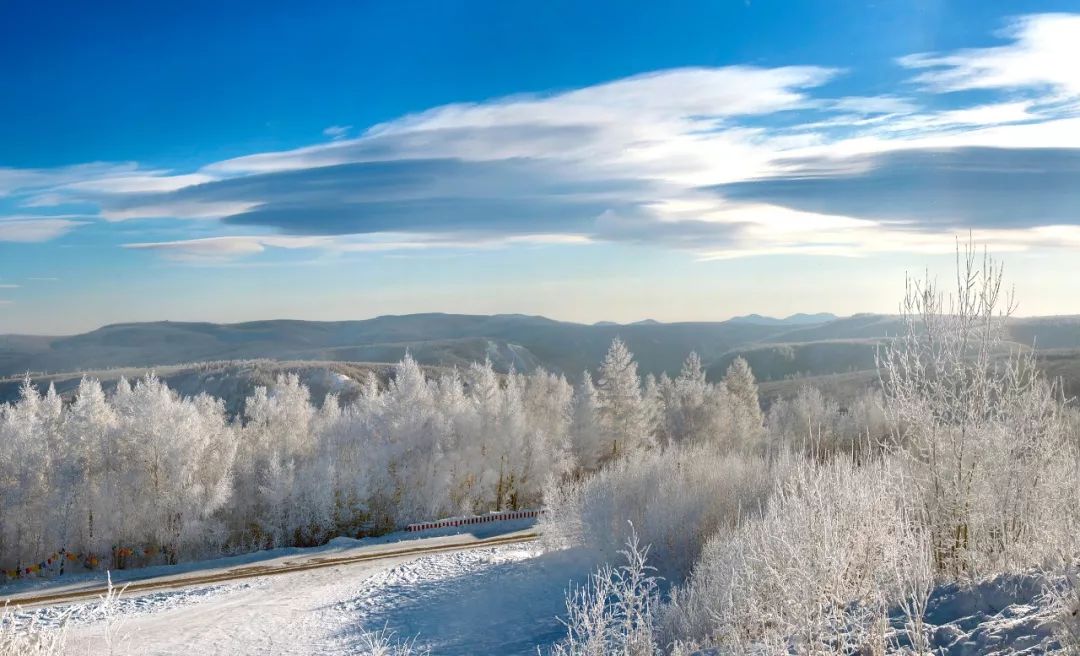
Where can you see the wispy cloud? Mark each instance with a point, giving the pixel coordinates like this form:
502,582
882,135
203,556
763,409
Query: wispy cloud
219,248
26,180
215,249
1043,52
36,229
337,131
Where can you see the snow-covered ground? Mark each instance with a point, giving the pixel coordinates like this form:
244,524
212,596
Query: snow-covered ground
504,600
501,600
18,592
1003,615
491,600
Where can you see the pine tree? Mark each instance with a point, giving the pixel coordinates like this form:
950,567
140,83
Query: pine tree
747,418
585,424
621,409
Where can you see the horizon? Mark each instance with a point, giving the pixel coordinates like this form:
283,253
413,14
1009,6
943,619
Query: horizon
601,322
382,316
485,158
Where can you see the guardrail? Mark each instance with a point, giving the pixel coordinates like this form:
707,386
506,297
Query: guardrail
469,520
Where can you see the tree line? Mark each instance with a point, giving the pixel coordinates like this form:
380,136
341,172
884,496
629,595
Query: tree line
144,475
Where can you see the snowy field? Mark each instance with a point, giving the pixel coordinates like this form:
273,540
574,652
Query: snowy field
489,601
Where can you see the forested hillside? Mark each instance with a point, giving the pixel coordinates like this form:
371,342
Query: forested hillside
811,346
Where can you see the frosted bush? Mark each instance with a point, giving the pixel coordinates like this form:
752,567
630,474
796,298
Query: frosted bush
815,573
819,427
614,614
1062,596
675,500
31,638
385,642
984,440
979,476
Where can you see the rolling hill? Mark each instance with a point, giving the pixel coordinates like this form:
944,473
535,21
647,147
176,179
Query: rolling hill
237,357
438,339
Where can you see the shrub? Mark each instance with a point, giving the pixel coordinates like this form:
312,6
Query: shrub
817,571
615,613
675,500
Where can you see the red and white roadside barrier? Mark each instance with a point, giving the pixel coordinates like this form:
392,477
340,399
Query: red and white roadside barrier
501,516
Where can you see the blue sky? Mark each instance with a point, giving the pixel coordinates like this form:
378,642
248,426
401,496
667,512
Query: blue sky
587,161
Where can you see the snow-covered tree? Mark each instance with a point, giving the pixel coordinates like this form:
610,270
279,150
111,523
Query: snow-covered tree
24,483
746,416
410,445
983,433
694,410
622,412
585,433
89,432
281,477
176,469
547,400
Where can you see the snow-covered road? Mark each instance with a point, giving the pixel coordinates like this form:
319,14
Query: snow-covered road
491,600
338,552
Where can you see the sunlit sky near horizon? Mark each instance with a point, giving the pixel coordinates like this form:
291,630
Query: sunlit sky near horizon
229,161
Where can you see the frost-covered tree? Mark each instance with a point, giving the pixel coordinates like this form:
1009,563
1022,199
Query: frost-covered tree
411,440
24,482
547,399
89,431
822,427
177,461
344,439
139,471
746,417
281,472
695,411
143,474
622,412
982,431
585,433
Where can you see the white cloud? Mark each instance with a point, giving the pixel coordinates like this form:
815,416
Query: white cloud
869,238
337,131
212,249
641,113
145,182
173,209
81,182
1044,51
36,229
19,180
218,248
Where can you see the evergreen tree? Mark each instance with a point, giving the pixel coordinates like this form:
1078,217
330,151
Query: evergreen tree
622,413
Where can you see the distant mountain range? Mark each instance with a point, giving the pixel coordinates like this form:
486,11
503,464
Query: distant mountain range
799,319
522,342
777,349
